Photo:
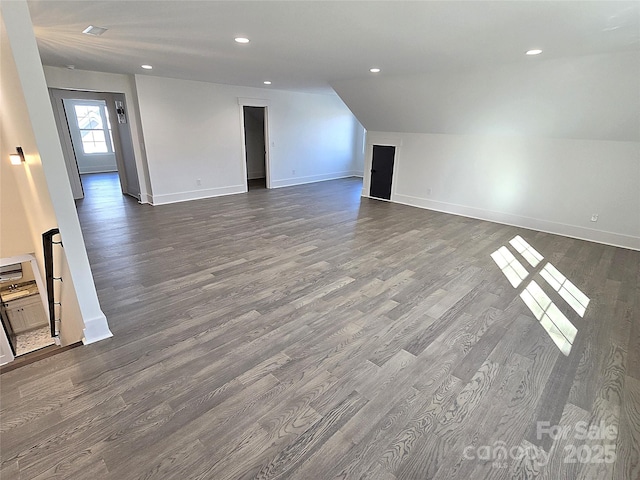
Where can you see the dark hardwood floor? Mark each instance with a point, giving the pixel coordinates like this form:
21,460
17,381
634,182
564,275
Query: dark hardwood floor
256,183
306,333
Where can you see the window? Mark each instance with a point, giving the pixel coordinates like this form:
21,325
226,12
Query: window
95,130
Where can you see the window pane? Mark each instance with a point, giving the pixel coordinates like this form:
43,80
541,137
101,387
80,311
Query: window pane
95,129
94,147
92,136
88,116
93,141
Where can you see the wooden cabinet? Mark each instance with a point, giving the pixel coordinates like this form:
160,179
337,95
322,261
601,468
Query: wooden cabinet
26,313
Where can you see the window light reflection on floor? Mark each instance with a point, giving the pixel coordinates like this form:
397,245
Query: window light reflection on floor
510,266
527,251
567,290
559,328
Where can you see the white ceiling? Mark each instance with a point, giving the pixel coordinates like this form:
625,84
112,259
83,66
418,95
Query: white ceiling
306,45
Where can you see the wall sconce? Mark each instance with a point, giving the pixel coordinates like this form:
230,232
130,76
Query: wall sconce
17,158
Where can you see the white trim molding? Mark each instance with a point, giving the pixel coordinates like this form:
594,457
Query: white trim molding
260,103
96,329
145,198
253,102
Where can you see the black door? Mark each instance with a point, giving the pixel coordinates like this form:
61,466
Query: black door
382,171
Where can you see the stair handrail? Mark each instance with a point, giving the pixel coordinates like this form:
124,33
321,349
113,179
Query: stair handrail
47,244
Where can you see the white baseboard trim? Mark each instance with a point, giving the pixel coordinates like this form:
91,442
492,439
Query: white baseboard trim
96,329
573,231
145,198
290,182
196,194
4,359
234,189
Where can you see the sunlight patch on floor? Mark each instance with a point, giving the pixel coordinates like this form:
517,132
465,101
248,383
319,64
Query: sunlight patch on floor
559,328
567,290
527,251
510,266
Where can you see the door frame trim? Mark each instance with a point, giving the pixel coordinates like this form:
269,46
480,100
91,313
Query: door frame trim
73,171
255,102
383,141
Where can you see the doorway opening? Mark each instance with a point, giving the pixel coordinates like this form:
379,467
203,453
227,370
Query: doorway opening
96,138
255,146
382,171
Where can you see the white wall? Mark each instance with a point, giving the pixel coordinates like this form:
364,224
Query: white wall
541,145
359,147
552,185
193,130
42,182
66,79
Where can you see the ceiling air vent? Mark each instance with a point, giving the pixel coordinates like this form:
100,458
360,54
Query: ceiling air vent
95,31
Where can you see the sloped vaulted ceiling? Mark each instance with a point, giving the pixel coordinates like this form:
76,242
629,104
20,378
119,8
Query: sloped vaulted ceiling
594,97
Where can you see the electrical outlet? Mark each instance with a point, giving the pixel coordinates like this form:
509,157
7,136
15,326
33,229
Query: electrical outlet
594,217
428,191
293,172
198,182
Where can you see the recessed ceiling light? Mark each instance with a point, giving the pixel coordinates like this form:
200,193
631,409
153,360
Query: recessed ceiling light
374,70
241,40
146,67
535,51
267,82
95,31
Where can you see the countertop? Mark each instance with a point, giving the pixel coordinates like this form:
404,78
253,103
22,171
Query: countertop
23,290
